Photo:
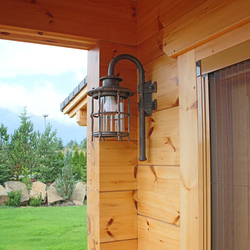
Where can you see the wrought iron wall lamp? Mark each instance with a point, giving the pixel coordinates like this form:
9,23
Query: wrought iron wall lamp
113,105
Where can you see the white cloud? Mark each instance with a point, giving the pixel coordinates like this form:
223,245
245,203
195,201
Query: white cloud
27,59
30,59
41,99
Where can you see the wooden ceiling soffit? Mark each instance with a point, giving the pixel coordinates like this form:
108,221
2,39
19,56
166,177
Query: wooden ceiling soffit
42,37
98,20
203,24
79,102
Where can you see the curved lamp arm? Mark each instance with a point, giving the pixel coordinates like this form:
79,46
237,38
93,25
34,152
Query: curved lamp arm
140,68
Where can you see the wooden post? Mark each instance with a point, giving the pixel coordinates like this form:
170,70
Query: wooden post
188,151
112,165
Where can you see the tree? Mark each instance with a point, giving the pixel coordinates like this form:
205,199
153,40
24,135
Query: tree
72,144
22,147
79,164
4,137
65,183
83,164
83,144
5,171
75,158
50,161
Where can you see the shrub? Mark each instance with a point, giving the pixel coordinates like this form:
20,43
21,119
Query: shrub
14,198
36,202
65,183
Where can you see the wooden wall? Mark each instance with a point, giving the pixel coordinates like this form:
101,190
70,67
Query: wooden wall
136,205
159,176
170,177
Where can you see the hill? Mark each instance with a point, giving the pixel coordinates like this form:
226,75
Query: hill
67,132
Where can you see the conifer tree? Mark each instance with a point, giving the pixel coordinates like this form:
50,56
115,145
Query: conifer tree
5,172
22,148
65,183
50,161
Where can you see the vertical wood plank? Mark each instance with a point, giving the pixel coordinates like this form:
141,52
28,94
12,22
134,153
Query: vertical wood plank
92,157
188,151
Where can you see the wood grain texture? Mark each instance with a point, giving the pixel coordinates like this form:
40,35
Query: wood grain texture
189,151
162,138
81,117
92,158
45,37
107,20
164,71
160,15
159,193
118,216
151,48
120,245
206,22
93,218
154,234
118,162
111,167
224,42
92,146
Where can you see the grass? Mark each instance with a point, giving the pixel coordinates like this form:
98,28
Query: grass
40,228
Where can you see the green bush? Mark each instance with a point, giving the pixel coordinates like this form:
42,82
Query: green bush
36,202
65,183
14,198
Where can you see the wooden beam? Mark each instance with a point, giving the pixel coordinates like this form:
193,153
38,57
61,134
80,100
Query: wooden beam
45,37
205,23
224,42
188,151
77,103
81,117
102,19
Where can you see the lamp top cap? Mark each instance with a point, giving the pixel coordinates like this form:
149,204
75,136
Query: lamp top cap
110,80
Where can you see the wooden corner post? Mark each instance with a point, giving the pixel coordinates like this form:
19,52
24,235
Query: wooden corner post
188,151
112,165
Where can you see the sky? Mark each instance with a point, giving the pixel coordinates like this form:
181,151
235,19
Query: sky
39,77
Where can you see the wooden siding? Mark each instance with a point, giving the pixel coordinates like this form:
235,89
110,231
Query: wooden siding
203,24
159,193
154,234
120,245
159,177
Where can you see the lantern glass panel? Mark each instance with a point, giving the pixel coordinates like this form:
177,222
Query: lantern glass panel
110,114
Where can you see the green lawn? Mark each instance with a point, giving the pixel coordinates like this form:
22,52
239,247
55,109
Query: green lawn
43,228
